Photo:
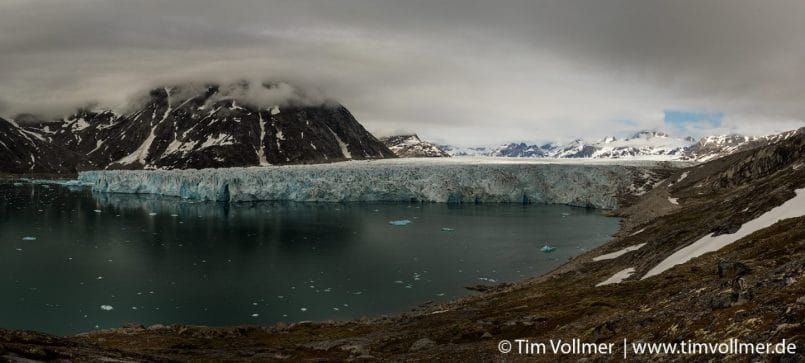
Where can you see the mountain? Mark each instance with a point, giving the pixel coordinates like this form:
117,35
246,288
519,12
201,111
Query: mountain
24,151
712,147
212,126
645,144
411,146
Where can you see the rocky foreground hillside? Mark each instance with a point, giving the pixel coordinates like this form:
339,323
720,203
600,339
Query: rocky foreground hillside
192,126
751,288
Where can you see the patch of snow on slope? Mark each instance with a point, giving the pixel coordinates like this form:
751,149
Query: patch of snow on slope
618,277
638,232
261,152
795,207
219,140
682,177
344,149
674,201
142,152
617,254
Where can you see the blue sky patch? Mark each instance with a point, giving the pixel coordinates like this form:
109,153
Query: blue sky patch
687,121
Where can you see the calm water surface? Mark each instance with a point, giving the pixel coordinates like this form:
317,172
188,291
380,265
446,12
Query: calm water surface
73,261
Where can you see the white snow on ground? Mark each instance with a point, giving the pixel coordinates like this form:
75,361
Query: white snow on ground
275,110
638,232
344,149
682,177
794,207
261,152
617,277
674,201
617,254
219,140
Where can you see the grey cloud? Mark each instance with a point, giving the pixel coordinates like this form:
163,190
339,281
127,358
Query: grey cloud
457,71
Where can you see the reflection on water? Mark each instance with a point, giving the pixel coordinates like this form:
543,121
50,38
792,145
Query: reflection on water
164,260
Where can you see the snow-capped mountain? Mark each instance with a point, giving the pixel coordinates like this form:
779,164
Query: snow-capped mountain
411,146
189,126
712,147
654,145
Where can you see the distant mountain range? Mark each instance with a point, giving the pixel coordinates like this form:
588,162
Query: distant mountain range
189,126
654,145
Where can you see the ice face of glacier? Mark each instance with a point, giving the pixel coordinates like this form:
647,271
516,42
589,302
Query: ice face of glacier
596,185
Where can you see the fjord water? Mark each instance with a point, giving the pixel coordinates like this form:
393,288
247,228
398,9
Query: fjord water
72,261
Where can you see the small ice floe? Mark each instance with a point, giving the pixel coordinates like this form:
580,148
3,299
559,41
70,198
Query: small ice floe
398,282
617,254
617,277
565,214
255,315
448,229
547,249
107,307
400,222
29,238
302,309
96,210
174,215
100,278
487,279
336,309
19,249
152,214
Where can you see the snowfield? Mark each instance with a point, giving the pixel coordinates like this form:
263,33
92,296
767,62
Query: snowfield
794,207
453,180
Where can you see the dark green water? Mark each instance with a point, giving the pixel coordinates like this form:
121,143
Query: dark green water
163,260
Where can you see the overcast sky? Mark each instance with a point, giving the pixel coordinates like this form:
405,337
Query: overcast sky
464,72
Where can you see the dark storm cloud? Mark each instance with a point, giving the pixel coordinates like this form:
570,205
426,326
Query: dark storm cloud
478,71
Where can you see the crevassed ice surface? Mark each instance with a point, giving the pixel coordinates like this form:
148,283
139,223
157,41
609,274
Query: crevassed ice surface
594,185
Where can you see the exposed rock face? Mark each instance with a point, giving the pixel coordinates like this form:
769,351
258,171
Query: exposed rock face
23,151
712,147
212,126
411,146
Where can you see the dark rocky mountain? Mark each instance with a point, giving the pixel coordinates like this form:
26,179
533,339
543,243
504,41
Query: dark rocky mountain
210,126
411,146
23,151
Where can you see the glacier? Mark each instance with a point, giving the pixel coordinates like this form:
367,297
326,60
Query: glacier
596,185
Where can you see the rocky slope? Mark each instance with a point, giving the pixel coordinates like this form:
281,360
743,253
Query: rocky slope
23,151
411,146
209,126
752,289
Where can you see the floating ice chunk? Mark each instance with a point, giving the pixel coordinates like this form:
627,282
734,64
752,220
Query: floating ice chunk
303,309
448,229
107,307
255,315
617,277
400,222
619,253
547,249
152,214
29,238
96,210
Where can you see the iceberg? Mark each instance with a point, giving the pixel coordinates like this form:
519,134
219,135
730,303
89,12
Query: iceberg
596,185
547,249
401,222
